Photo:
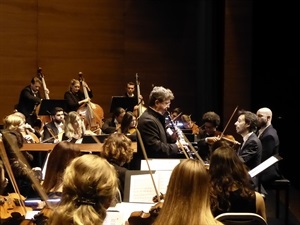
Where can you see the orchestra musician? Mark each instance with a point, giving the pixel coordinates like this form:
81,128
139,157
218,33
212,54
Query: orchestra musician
113,124
90,184
128,125
188,191
187,123
75,97
59,158
209,134
13,124
118,151
30,97
158,143
73,128
52,131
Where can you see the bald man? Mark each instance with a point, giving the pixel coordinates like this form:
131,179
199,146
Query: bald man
270,144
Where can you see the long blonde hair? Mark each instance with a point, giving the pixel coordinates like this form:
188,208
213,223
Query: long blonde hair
187,197
90,183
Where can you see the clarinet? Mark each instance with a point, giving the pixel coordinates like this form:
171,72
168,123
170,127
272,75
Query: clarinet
184,149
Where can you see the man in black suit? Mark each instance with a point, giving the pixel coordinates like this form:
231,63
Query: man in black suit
52,131
251,150
29,99
270,144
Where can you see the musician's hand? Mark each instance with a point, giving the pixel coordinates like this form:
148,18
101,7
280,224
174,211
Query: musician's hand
211,140
47,91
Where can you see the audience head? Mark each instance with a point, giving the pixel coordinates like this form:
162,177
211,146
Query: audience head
60,157
117,149
90,184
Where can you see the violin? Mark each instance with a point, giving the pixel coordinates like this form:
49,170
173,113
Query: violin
11,212
145,218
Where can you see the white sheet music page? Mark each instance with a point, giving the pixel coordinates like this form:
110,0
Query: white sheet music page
141,188
264,165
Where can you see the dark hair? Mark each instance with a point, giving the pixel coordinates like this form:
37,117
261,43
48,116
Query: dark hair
211,117
250,119
36,80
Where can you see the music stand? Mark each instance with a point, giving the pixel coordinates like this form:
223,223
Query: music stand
47,106
126,103
90,138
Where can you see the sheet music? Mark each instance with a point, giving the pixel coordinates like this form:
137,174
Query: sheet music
159,164
142,189
264,165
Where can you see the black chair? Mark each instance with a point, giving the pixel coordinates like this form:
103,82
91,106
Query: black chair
279,185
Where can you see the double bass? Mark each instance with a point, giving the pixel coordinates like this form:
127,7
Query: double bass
91,113
42,118
140,108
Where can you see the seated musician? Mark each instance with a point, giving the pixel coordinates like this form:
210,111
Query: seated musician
53,130
206,137
128,125
73,128
59,158
118,151
112,124
13,124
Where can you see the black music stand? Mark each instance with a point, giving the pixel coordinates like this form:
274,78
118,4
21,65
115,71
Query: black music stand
90,138
126,103
47,106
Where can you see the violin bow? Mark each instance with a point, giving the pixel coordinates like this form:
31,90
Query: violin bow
228,122
147,160
25,165
10,174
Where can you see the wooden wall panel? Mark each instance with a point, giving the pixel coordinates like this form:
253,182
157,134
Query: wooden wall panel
109,41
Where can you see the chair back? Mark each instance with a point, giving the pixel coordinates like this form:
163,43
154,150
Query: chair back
241,218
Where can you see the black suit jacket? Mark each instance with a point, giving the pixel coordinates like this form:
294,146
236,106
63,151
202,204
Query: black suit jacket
28,102
270,146
251,151
47,136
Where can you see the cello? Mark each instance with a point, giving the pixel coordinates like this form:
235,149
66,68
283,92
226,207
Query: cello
43,118
92,113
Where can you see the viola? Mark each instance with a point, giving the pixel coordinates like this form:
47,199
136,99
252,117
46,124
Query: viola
11,212
145,218
39,219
